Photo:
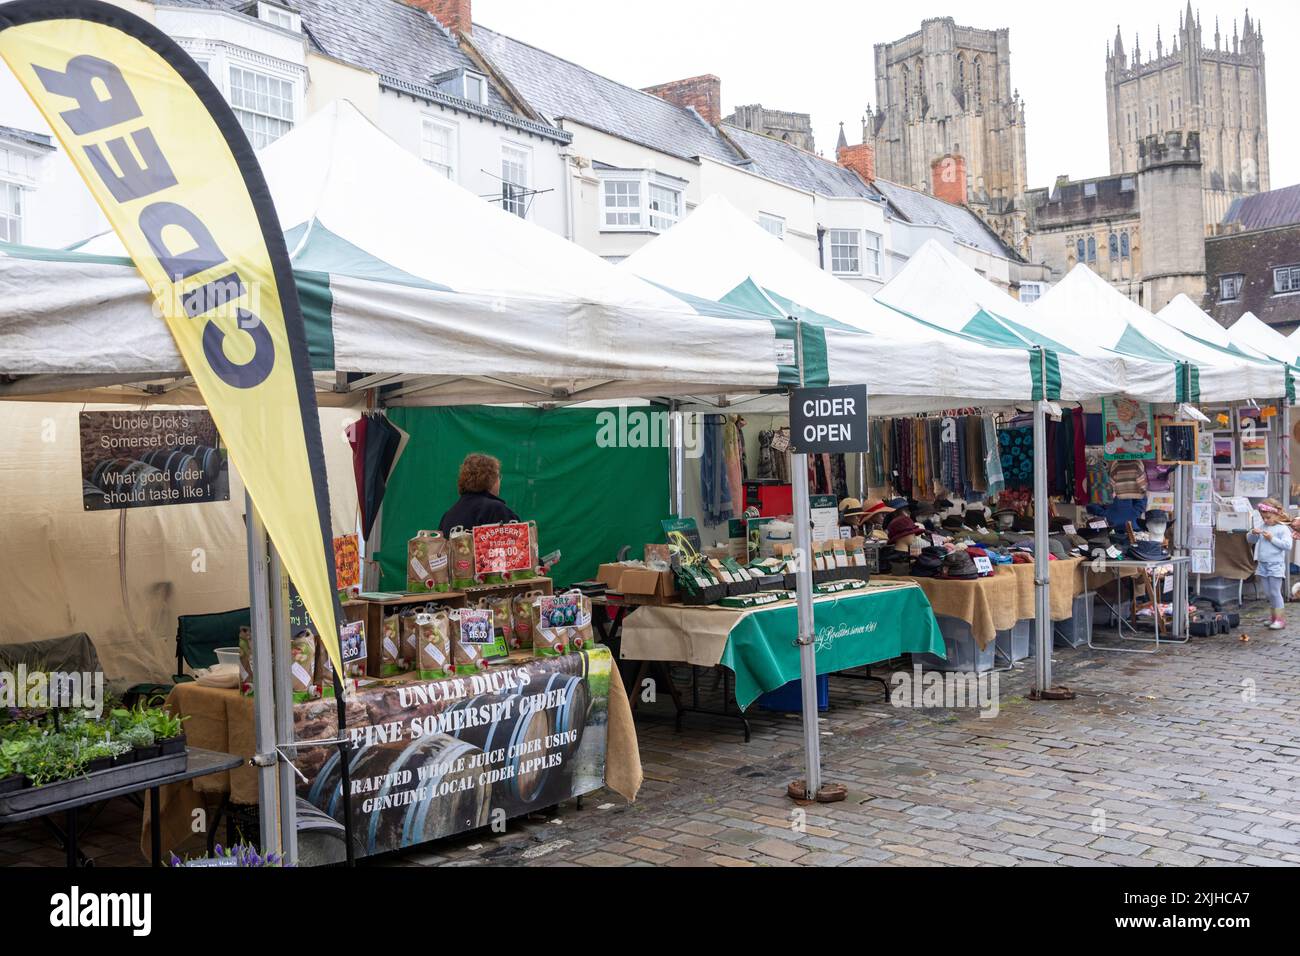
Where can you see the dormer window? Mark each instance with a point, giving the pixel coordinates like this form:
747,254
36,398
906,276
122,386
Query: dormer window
464,84
279,16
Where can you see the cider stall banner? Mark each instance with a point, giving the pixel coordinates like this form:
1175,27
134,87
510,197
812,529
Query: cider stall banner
167,161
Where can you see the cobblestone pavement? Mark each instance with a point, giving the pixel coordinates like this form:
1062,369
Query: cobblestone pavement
1187,757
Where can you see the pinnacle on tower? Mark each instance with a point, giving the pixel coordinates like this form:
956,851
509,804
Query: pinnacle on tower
842,142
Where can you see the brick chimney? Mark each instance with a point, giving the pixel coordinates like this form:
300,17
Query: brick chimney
948,179
861,159
704,93
453,14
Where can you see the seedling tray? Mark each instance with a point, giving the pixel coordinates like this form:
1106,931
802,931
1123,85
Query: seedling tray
141,772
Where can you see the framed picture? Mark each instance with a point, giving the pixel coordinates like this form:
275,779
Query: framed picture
1203,514
1202,561
1225,451
1253,419
1128,430
1225,481
1205,444
1220,417
1254,451
1251,484
1203,469
1176,443
1202,492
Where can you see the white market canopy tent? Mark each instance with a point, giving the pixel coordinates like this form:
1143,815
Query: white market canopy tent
1190,319
1248,332
450,298
936,287
718,255
1085,302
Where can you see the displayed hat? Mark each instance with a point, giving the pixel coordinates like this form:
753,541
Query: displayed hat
898,504
1057,548
1023,523
901,527
953,523
929,562
1072,543
851,508
942,504
960,566
1147,551
923,509
1057,523
878,508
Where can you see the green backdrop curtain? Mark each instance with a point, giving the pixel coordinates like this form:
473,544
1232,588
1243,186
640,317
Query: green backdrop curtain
588,500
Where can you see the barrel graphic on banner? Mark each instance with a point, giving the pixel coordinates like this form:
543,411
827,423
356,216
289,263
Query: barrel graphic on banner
523,735
167,161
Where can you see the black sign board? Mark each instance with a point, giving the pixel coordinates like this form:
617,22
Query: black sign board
829,420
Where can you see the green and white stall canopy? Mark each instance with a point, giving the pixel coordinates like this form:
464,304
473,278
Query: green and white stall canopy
1190,319
1084,302
937,287
718,255
407,281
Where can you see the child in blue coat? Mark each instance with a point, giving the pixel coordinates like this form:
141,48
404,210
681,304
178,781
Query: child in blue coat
1272,552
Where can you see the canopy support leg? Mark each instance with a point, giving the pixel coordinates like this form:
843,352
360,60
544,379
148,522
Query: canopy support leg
263,679
285,742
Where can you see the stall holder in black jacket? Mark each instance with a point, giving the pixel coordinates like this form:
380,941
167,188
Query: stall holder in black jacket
473,509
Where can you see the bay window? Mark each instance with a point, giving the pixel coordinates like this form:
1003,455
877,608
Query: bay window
636,200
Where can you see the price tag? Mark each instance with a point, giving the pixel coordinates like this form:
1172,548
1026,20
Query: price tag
984,565
846,532
780,441
1169,585
1098,524
476,626
1070,529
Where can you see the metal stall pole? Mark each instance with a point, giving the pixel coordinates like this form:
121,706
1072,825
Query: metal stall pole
1182,517
812,743
263,679
676,459
1042,568
284,738
806,639
862,477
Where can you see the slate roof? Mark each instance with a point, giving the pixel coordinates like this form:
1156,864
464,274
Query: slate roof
922,208
559,90
797,167
1277,207
387,37
26,137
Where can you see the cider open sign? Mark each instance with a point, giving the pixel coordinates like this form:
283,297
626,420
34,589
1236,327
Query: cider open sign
829,420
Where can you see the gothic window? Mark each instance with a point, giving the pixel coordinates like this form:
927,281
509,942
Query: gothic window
1092,249
907,91
1081,254
1124,250
1114,247
920,88
961,72
979,83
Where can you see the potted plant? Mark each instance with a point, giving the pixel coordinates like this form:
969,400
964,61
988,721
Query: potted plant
141,739
167,729
238,855
11,777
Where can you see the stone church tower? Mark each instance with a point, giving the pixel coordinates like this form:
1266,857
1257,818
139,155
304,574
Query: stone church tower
944,92
1216,91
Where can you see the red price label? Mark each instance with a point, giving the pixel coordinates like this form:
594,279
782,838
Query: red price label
499,548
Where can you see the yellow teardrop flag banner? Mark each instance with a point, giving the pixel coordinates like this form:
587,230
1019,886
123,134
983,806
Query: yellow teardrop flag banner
167,161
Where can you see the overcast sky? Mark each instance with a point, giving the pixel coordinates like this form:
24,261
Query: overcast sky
816,56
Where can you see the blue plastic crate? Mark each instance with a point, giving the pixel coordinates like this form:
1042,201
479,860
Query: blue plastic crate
789,699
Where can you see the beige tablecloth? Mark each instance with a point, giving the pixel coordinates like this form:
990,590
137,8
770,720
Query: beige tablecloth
998,602
1234,556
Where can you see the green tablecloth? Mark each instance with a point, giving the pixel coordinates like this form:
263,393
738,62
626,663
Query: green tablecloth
852,631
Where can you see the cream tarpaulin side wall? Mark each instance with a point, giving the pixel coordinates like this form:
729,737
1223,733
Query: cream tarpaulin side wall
122,576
